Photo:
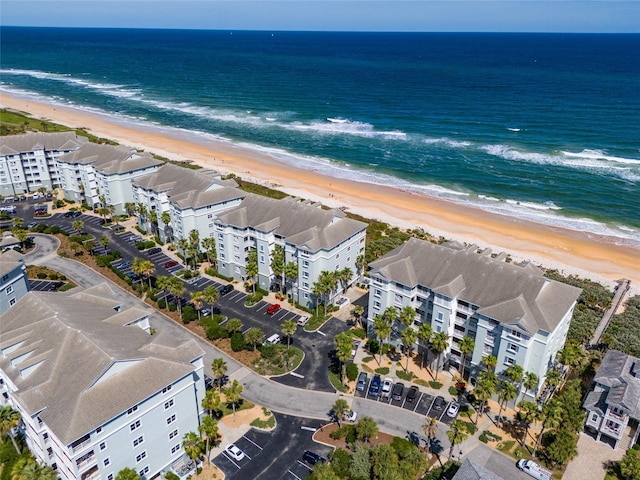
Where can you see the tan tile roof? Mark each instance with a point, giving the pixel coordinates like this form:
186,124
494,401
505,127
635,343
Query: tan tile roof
28,142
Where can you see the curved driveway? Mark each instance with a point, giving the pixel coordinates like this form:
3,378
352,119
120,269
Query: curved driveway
275,396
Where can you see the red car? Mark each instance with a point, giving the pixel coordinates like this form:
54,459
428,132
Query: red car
170,263
273,308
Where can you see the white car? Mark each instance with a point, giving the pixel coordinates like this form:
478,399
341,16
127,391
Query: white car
387,385
234,452
453,409
350,416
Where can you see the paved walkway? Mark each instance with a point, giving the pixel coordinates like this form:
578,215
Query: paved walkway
592,458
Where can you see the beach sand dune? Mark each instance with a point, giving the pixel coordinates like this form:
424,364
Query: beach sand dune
570,252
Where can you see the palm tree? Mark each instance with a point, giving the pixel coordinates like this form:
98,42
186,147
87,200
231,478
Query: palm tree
277,263
407,315
356,313
232,394
553,380
344,276
234,325
163,282
482,393
219,369
211,295
130,208
316,291
104,241
289,327
127,474
528,413
192,445
361,265
209,430
506,392
466,346
254,336
177,288
209,245
439,343
344,344
409,337
9,419
211,402
28,468
251,267
551,416
144,268
490,361
291,274
366,428
18,222
430,429
197,298
530,381
165,218
77,225
327,281
456,434
183,245
424,334
382,330
340,407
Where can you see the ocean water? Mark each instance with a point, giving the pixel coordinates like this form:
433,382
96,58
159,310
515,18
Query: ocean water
544,127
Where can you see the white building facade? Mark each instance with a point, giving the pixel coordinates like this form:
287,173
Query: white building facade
13,279
96,392
314,239
28,162
511,312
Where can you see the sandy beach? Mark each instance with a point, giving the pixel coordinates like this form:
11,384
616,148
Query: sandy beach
568,251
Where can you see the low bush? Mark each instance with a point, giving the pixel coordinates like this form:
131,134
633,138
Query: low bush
359,333
453,391
367,359
237,342
145,244
382,370
407,376
253,299
435,385
172,307
189,314
373,346
162,304
267,351
41,275
215,331
352,371
214,273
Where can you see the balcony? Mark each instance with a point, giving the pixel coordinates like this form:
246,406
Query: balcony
86,460
618,416
80,444
612,430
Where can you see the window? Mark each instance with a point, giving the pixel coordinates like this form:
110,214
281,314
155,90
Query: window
305,263
262,248
103,446
110,476
305,274
171,419
98,430
141,456
132,409
12,302
9,289
512,348
509,361
106,462
376,305
134,425
516,334
166,389
175,448
168,404
173,434
440,316
261,258
144,471
138,440
337,256
376,293
594,417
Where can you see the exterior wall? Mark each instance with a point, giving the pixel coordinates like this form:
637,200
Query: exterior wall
118,188
458,319
13,286
157,202
70,181
202,219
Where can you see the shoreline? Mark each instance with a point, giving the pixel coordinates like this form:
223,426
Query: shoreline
568,251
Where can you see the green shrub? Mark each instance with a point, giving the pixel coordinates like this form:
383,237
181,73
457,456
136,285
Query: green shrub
54,276
215,331
435,385
65,287
41,275
359,333
367,359
268,351
408,376
237,342
187,274
171,476
373,346
382,370
189,314
402,446
162,304
143,245
352,371
453,391
253,298
351,434
172,307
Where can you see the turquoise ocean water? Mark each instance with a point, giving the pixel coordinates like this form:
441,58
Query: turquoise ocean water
544,127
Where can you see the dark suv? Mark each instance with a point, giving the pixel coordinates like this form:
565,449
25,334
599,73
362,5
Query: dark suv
374,388
312,457
226,289
398,390
154,250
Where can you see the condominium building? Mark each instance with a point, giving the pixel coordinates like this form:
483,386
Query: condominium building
28,162
314,239
191,197
95,390
614,403
13,279
96,170
510,311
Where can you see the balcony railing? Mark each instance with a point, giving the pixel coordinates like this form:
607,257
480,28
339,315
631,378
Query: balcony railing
619,416
611,431
80,446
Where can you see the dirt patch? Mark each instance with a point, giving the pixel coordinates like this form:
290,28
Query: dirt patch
209,472
323,436
246,357
244,417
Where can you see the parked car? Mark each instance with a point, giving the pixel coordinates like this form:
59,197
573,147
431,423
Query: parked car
362,382
412,394
438,403
273,339
75,214
303,320
453,409
312,457
226,289
533,469
387,385
205,311
234,452
414,438
350,416
273,308
170,263
154,250
374,388
398,390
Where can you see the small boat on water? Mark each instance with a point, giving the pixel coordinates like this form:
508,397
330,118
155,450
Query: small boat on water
337,120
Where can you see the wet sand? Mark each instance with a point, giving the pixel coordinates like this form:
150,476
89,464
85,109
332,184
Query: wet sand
568,251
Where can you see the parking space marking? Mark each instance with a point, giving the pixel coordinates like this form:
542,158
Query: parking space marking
251,441
417,402
299,376
228,457
321,333
294,474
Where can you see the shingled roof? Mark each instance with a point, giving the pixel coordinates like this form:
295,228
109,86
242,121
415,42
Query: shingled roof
29,142
303,225
621,374
63,350
110,159
515,295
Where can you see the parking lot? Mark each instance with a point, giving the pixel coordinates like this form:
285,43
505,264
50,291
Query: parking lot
276,454
45,285
423,404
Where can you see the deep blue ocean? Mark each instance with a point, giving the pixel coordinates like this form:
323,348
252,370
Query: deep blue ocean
538,126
